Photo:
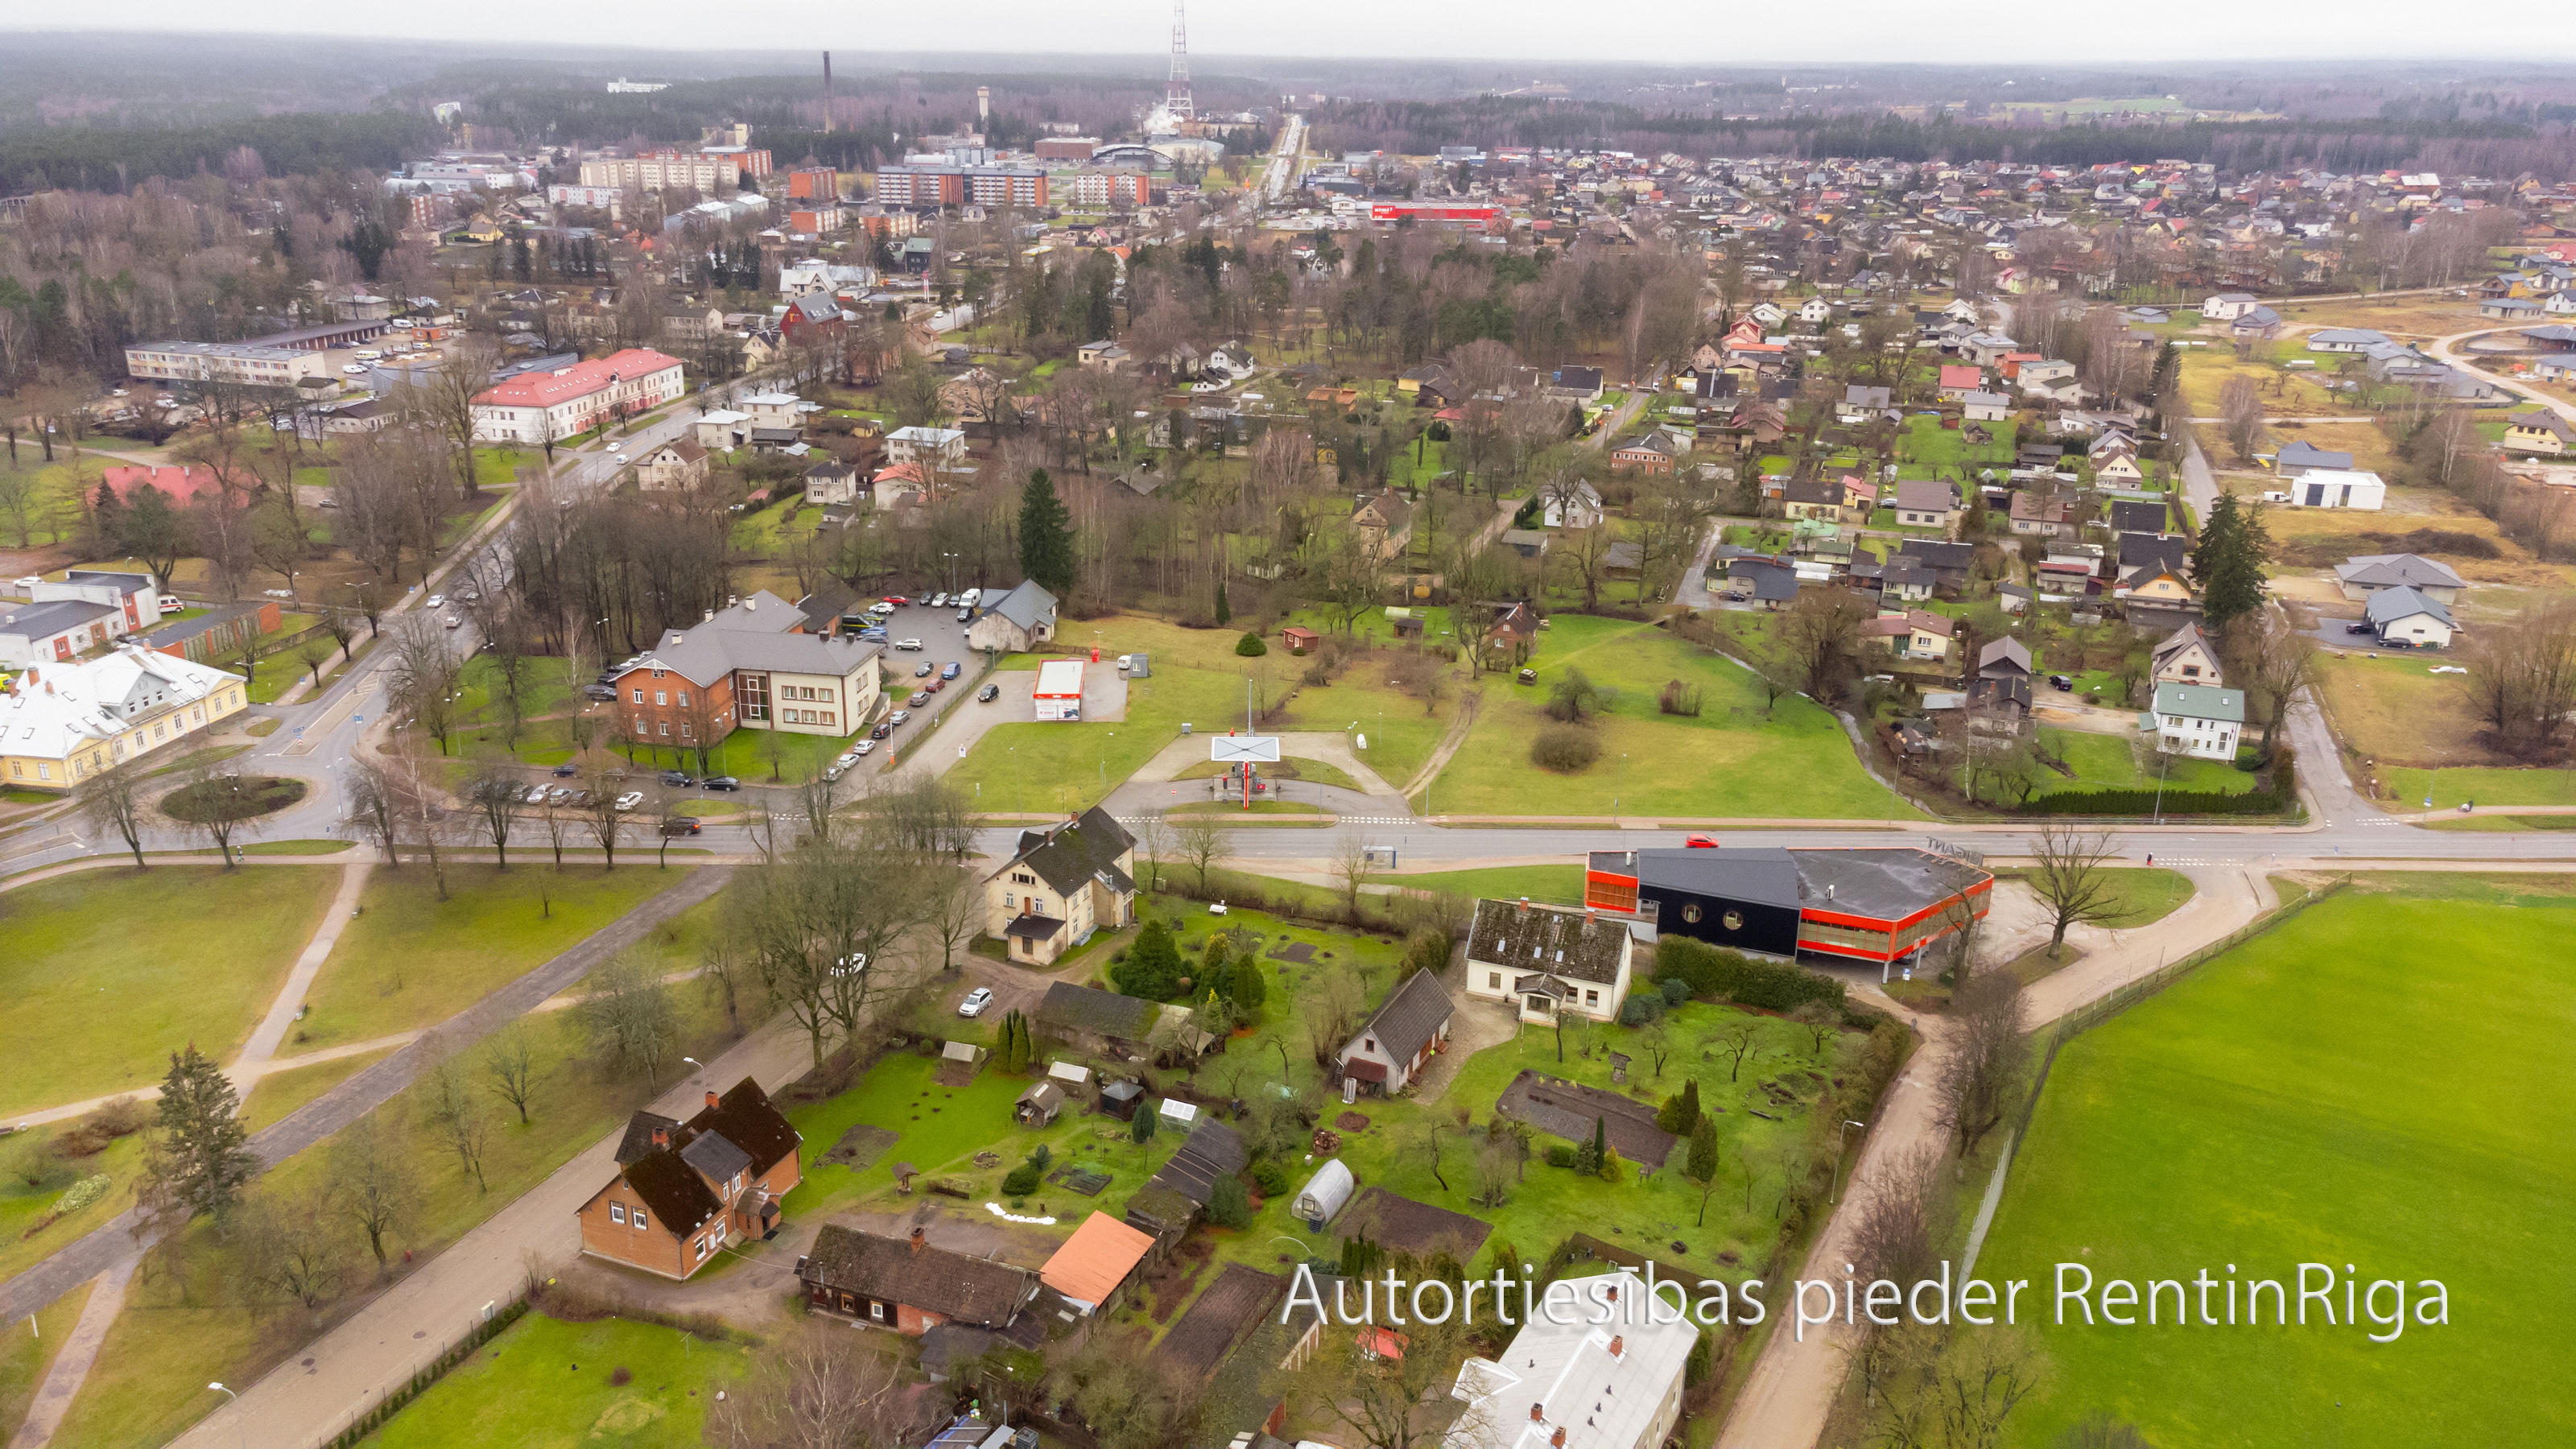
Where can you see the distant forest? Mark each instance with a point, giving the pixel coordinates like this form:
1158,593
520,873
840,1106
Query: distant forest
93,158
2359,144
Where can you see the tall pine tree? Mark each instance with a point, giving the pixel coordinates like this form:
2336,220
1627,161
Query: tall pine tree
202,1160
2228,563
1046,536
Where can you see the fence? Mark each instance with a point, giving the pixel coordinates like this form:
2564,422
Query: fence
391,1401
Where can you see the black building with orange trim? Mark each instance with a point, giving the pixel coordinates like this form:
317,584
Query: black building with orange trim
1874,904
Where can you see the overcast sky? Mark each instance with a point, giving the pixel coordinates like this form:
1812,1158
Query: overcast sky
2219,31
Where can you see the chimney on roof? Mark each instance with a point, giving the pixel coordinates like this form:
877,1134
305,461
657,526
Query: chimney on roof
919,1239
1556,1440
661,1137
709,614
1538,1413
1618,1342
712,1101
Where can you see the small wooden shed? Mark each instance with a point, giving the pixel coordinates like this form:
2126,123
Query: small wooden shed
1299,638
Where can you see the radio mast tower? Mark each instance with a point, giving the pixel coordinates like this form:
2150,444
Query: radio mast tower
1176,95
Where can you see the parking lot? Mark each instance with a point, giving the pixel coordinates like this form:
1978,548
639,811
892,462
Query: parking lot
943,641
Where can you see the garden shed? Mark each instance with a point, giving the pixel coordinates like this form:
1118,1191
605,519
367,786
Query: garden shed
1069,1075
965,1051
1121,1099
1299,638
1324,1195
1039,1105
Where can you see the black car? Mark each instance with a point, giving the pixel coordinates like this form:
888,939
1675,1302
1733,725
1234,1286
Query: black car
678,779
881,731
923,671
2360,626
681,825
2060,681
723,782
566,771
990,693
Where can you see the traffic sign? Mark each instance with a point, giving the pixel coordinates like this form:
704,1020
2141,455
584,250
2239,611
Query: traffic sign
1237,749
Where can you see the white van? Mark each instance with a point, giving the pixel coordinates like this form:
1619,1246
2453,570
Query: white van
367,354
967,599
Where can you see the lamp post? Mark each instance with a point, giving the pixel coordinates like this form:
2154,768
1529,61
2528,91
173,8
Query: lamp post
1842,1144
239,1423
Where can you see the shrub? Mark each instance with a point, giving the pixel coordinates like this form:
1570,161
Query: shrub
1438,432
84,1192
1021,1181
1426,950
1676,991
621,1376
1041,1157
1641,1007
1565,749
1229,1206
1271,1178
1250,646
1718,974
1679,698
1560,1154
1573,693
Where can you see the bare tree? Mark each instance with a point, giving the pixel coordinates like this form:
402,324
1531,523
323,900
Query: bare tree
509,1059
112,800
1353,857
817,1387
1977,1075
287,1244
2072,877
2274,663
2240,416
606,817
377,1186
458,1110
953,911
222,802
627,1015
1820,633
497,800
1156,838
423,678
1202,843
1395,1401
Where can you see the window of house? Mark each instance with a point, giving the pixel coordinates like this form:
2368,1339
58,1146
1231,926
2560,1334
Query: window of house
617,1214
684,699
639,694
1493,981
827,718
877,1311
1592,998
1691,913
1010,901
44,771
661,696
1733,920
637,1220
666,728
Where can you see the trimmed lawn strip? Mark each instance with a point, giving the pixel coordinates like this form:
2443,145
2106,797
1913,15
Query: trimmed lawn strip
2111,762
2342,1090
109,971
21,1205
409,959
2451,789
546,1382
26,1352
1560,884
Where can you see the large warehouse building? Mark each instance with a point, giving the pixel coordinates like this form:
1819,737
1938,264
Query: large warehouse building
1880,905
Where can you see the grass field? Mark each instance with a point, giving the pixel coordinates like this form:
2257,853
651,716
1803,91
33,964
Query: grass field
1560,883
1728,761
277,1094
409,959
2339,1091
28,1349
110,971
2113,762
543,1384
2400,716
2451,788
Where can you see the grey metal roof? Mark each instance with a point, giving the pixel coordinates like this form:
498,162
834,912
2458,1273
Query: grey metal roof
2392,570
715,1159
1409,1017
40,621
2387,606
1027,606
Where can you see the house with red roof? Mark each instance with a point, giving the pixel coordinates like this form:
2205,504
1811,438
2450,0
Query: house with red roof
1958,379
551,405
180,484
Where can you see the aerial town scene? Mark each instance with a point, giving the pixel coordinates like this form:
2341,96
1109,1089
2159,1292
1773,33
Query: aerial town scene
1473,728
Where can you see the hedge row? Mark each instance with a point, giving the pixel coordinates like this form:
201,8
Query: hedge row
392,1403
1717,974
2144,802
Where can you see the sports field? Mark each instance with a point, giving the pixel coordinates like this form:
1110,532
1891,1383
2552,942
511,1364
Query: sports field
2378,1083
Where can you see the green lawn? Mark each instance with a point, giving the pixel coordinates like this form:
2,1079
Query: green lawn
1312,772
409,959
22,1204
2113,762
278,1094
107,972
1729,761
2452,788
1926,442
543,1384
937,1128
2340,1091
27,1349
1558,883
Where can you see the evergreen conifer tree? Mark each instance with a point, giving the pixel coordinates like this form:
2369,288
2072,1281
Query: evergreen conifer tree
1046,536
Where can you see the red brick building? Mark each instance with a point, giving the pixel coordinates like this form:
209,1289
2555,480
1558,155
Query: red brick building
908,1285
684,1190
752,665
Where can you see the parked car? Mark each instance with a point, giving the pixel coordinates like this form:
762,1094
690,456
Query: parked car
630,799
864,748
2060,681
434,601
536,795
975,1002
581,799
950,670
723,782
616,447
922,670
883,729
897,599
678,779
2359,626
901,716
558,795
988,694
603,693
566,770
968,598
872,636
881,608
920,697
907,643
965,616
939,601
681,825
455,621
833,771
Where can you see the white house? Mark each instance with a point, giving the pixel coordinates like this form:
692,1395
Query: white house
2203,721
540,407
1815,311
1608,1376
1581,511
1399,1040
2339,488
2365,574
938,447
1544,960
1985,407
2228,306
2401,615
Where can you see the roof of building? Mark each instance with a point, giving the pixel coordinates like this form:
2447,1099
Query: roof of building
2387,606
55,709
1067,1006
1081,850
51,617
2132,516
1211,1151
760,632
2004,653
1096,1259
678,1197
180,483
1925,495
2170,551
1561,1384
1935,553
1028,606
2394,570
2300,453
1578,944
2201,701
960,1288
1409,1018
1878,883
563,385
2180,640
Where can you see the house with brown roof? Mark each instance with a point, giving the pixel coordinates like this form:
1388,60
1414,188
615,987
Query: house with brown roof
1543,960
1063,883
1383,523
909,1286
1911,634
1410,1026
684,1190
680,463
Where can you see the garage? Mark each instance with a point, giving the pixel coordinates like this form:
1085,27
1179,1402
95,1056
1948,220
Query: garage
1059,691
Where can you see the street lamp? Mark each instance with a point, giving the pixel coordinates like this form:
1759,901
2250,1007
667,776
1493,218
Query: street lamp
1842,1144
239,1423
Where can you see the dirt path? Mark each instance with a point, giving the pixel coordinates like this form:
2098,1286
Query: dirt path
1792,1387
1468,703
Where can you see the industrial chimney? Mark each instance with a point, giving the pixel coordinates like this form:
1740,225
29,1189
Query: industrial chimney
827,92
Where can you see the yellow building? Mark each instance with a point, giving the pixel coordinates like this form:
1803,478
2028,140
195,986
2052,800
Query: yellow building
62,723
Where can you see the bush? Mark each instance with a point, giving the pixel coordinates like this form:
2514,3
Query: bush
1040,1158
1021,1181
1250,646
1438,432
1560,1155
1676,990
1426,950
1271,1178
1229,1206
84,1192
1717,974
1565,749
1679,698
1641,1007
